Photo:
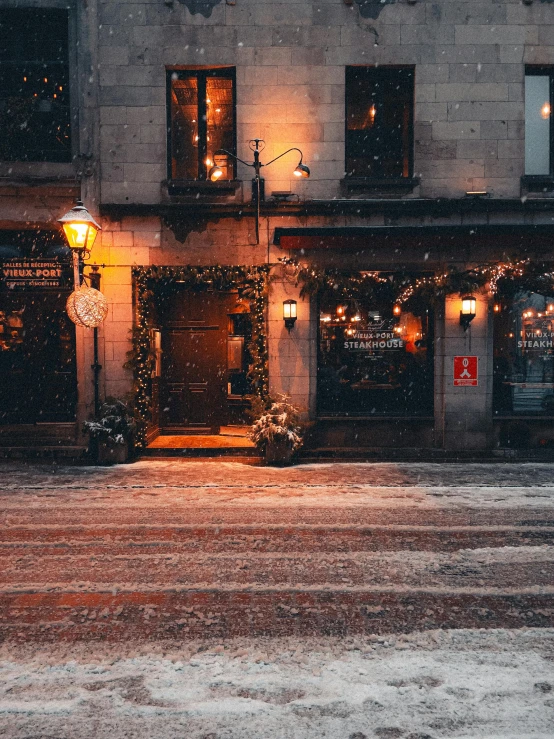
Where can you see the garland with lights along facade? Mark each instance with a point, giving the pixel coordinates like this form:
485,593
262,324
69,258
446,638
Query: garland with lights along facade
503,280
153,283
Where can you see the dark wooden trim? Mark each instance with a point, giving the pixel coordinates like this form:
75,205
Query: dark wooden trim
391,207
204,187
328,235
344,417
380,183
538,182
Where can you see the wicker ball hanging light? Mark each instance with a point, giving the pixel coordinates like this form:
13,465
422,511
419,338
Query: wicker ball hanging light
87,307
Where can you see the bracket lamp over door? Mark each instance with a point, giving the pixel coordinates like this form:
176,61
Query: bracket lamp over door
468,311
289,313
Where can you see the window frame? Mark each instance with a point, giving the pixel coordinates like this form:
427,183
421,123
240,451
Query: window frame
56,167
510,316
381,179
201,74
541,180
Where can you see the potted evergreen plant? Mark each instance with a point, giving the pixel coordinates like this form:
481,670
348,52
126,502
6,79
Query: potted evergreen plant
112,431
277,433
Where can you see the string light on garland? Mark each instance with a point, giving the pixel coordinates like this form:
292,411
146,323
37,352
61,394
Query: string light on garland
152,283
498,278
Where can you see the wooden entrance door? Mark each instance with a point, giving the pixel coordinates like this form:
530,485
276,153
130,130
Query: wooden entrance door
194,364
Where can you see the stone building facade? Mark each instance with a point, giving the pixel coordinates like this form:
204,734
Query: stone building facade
463,131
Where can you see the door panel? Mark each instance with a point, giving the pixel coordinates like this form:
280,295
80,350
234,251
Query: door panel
194,363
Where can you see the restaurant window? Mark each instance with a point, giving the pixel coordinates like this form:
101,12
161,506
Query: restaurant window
37,339
539,96
201,120
379,122
375,359
34,85
524,356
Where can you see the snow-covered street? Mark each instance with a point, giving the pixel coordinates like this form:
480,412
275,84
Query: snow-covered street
217,599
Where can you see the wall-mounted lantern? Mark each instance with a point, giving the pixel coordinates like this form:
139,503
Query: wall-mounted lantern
468,311
289,313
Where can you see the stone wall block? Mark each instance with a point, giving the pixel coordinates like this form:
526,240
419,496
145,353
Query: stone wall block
510,149
456,130
481,111
494,129
470,92
490,34
477,149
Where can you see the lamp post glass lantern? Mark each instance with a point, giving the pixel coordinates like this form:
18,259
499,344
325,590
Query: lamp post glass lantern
80,230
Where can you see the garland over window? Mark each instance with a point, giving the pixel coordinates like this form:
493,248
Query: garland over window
153,284
503,280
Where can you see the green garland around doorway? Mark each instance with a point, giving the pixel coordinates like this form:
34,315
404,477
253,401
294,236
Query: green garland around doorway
152,283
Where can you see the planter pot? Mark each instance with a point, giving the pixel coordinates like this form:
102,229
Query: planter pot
278,452
113,454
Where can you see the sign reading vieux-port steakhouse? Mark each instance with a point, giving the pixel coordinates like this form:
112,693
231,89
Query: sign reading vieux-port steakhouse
32,274
466,372
364,340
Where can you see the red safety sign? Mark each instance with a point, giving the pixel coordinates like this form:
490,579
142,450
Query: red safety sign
466,373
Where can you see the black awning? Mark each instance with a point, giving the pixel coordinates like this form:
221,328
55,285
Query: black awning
516,236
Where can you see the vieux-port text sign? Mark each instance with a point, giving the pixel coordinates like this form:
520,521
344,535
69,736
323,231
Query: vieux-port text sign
33,274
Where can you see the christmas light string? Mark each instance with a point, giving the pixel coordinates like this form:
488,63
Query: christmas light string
508,277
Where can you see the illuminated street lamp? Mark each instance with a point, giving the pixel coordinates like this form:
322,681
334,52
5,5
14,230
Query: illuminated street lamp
80,230
257,146
79,227
86,306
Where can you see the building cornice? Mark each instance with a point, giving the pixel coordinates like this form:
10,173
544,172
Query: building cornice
391,208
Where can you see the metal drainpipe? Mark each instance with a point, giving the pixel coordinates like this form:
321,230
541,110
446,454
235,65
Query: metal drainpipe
94,278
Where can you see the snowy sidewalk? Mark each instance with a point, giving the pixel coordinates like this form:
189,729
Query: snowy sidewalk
462,684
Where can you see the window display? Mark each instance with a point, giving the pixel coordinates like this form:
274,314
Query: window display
524,356
374,360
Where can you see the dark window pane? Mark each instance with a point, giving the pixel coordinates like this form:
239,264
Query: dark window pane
202,120
524,356
34,85
379,121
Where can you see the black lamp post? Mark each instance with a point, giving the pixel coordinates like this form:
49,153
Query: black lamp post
258,194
